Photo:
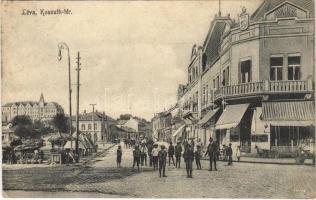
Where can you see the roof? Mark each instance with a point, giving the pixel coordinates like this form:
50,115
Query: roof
288,111
213,40
24,103
268,5
96,116
126,129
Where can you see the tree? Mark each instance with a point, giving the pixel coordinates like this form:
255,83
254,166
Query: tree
42,128
23,127
60,122
125,116
22,120
24,132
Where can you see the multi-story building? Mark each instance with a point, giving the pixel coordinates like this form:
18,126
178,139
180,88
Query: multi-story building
37,110
165,125
96,126
162,126
251,83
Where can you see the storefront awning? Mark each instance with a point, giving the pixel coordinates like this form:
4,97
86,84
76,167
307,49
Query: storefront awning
231,116
290,113
178,131
207,117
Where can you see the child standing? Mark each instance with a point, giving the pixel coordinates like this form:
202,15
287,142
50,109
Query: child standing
229,152
198,156
238,153
118,156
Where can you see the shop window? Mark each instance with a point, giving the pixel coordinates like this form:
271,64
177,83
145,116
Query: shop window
259,138
245,71
234,138
294,65
276,66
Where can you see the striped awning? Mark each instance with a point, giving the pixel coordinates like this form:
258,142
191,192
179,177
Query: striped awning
289,113
207,117
231,116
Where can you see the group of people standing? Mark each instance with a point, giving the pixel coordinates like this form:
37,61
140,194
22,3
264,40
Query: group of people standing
158,157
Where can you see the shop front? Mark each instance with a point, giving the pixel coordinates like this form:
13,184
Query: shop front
234,126
291,126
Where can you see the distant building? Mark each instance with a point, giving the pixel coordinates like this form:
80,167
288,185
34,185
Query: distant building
166,123
36,110
96,126
7,134
134,127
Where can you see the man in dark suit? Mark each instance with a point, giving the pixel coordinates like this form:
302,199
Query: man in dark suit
162,157
212,153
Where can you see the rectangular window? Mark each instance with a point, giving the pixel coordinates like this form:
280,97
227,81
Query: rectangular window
83,127
89,126
276,64
217,82
95,126
225,76
294,68
214,84
245,71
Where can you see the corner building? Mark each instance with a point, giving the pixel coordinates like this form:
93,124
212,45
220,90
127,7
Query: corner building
252,82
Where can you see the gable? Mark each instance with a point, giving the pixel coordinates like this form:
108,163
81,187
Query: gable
285,10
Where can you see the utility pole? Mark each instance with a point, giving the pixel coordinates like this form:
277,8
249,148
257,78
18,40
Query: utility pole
77,114
93,130
219,8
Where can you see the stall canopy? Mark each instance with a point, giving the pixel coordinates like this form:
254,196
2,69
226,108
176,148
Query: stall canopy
290,113
207,117
178,131
231,116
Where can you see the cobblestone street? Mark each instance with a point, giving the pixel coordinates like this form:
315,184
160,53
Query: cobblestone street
101,176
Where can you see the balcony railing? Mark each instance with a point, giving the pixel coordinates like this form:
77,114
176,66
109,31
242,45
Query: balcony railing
254,88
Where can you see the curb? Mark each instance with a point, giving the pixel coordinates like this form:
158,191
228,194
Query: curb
262,162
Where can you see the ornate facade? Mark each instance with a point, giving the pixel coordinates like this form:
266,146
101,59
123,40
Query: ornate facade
247,72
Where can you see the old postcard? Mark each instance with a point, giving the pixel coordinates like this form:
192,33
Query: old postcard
158,99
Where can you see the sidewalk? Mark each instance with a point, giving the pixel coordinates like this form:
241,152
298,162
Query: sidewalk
279,161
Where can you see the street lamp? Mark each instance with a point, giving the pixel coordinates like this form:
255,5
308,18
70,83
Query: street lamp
64,46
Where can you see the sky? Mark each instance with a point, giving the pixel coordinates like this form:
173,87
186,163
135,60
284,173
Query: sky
133,54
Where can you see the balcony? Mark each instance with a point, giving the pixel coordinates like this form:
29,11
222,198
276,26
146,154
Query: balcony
263,87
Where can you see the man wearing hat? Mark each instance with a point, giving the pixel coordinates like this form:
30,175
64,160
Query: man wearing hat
212,153
162,157
178,151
